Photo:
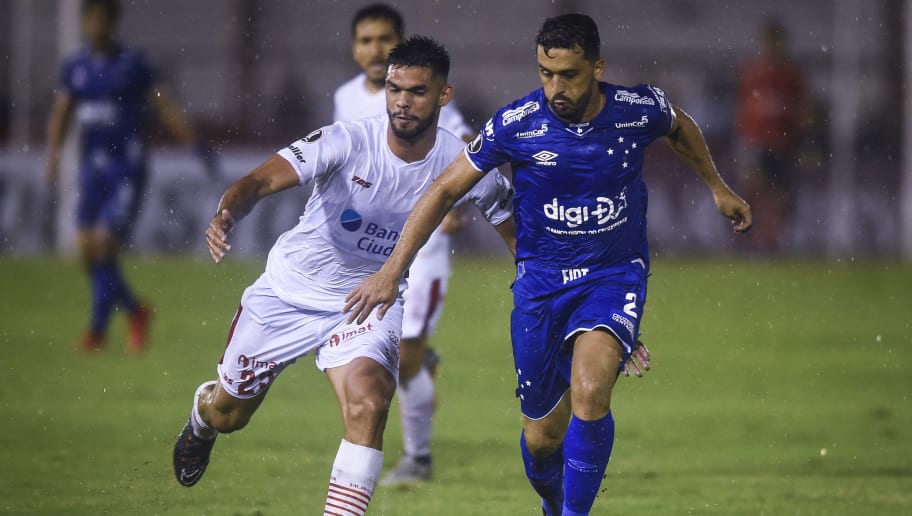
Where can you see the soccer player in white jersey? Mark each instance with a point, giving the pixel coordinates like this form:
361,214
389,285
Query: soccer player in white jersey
376,29
360,179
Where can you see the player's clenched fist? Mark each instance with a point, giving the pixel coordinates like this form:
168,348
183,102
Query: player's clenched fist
376,291
217,235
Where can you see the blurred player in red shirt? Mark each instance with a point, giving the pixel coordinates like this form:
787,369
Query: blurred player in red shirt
772,110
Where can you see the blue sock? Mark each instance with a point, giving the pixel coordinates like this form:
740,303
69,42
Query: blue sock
546,474
103,298
587,448
122,292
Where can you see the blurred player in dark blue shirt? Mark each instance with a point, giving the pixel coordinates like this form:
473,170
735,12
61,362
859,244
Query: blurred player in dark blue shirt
109,88
582,258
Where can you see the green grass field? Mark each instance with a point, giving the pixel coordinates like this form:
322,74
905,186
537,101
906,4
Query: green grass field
776,389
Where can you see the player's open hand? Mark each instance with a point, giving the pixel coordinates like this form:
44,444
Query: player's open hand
377,291
735,209
638,363
217,235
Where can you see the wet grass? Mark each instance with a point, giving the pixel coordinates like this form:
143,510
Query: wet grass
778,388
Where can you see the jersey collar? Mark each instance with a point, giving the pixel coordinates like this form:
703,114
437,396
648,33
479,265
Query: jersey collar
581,129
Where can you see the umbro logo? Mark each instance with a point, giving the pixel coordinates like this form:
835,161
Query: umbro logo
357,180
545,158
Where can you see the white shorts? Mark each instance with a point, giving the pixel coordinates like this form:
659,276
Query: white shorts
267,335
427,287
423,305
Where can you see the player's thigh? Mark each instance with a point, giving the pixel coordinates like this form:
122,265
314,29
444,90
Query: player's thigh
266,336
121,208
363,383
375,339
541,358
597,356
614,304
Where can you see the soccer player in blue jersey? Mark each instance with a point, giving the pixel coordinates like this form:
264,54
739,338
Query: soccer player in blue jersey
109,87
582,258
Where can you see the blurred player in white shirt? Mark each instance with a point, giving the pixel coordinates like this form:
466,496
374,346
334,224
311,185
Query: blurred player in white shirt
360,180
376,29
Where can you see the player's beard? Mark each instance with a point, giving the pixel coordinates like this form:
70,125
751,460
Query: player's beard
406,134
573,111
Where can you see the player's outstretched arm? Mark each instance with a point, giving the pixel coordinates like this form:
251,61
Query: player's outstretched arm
686,139
381,289
58,123
176,123
271,177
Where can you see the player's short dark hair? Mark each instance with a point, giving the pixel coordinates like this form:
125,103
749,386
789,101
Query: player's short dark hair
569,31
421,51
112,7
379,12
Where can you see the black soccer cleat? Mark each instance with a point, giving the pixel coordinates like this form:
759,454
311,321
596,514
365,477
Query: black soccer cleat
191,456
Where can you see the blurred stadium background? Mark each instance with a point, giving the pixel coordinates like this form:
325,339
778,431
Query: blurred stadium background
262,74
782,379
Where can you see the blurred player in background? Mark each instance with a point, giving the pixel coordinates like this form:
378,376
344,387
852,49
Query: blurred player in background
109,87
773,113
376,29
360,180
577,147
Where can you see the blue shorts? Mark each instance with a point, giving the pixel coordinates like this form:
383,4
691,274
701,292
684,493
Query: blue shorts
552,307
110,198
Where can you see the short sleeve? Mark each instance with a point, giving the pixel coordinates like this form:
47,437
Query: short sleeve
320,152
493,195
486,151
663,113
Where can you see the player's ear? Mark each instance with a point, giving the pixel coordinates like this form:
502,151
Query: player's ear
446,95
599,69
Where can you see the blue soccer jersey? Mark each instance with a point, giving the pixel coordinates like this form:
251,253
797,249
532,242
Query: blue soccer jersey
110,93
580,198
580,210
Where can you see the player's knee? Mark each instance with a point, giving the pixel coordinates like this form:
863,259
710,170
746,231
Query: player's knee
543,439
369,409
591,399
542,444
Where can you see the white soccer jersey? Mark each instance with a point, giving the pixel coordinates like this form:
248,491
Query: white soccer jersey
360,195
431,269
353,101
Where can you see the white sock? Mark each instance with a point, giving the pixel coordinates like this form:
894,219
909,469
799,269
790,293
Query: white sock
200,428
416,403
354,477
